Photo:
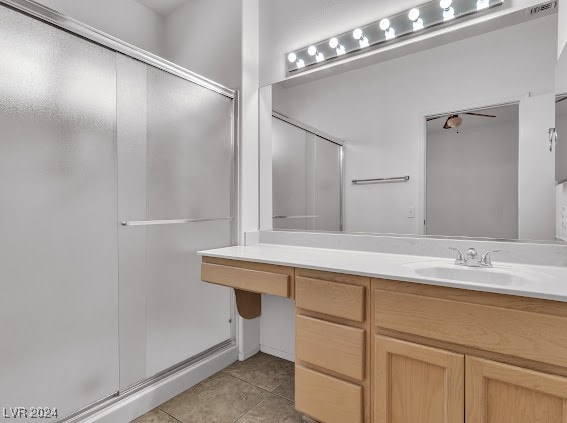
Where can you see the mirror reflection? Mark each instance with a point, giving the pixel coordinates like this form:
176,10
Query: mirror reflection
561,148
455,140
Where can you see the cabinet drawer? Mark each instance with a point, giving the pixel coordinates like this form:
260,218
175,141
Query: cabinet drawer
331,298
331,346
520,327
326,398
268,280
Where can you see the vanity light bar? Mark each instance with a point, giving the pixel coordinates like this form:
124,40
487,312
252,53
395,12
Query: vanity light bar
385,30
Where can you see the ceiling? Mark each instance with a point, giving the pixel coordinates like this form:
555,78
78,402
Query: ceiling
163,7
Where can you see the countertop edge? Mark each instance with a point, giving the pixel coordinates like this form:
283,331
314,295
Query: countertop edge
515,291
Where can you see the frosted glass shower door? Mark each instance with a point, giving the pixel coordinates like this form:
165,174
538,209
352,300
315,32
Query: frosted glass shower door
58,219
189,169
179,168
306,179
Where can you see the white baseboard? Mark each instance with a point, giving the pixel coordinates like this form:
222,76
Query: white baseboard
246,355
139,403
278,353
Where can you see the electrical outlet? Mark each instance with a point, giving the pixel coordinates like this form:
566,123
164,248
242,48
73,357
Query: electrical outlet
411,213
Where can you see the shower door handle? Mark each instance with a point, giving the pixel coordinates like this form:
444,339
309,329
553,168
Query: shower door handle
171,221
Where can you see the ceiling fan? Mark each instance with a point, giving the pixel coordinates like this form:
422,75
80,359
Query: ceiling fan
455,120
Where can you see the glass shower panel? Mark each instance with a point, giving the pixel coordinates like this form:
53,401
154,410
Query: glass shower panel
306,179
327,186
189,149
184,315
188,176
58,224
291,174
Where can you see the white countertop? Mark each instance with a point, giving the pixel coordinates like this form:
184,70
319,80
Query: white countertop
546,282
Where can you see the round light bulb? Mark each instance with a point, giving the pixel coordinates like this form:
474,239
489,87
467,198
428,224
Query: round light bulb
363,42
312,50
333,43
300,64
384,24
357,34
448,14
341,50
319,57
292,57
445,4
413,14
482,4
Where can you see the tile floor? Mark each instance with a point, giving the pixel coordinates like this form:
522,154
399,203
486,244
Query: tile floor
258,390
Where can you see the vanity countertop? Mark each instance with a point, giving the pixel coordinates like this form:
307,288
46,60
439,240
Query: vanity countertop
536,281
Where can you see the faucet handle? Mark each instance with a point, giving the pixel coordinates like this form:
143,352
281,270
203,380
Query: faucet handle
460,259
486,259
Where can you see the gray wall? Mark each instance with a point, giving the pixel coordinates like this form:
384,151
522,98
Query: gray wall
472,178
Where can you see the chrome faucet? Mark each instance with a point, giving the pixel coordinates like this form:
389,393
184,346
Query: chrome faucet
471,259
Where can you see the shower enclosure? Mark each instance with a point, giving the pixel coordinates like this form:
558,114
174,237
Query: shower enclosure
116,167
307,177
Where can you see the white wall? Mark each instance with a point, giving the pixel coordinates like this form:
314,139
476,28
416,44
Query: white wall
205,37
124,19
472,176
379,110
289,24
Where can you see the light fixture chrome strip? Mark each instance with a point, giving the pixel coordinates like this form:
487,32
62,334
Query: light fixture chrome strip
389,29
170,222
67,23
307,128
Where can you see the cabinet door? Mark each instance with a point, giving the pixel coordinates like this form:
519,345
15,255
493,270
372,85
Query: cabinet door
500,393
415,383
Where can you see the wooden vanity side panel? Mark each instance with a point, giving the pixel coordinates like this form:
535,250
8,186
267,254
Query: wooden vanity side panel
510,331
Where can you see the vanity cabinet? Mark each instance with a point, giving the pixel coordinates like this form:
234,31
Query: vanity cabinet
416,383
444,354
382,351
500,393
332,348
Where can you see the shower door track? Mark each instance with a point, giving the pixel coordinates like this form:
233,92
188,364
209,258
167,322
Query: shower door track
107,402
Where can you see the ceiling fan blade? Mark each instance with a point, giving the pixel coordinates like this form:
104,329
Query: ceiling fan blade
446,126
433,118
479,114
560,100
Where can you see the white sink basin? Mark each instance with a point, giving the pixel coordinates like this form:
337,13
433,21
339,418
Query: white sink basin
486,276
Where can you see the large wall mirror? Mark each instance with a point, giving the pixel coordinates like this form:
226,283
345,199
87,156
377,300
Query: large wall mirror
561,146
454,140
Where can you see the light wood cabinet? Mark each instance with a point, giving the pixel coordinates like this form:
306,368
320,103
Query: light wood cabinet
500,393
414,383
383,351
326,398
331,346
331,298
252,277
